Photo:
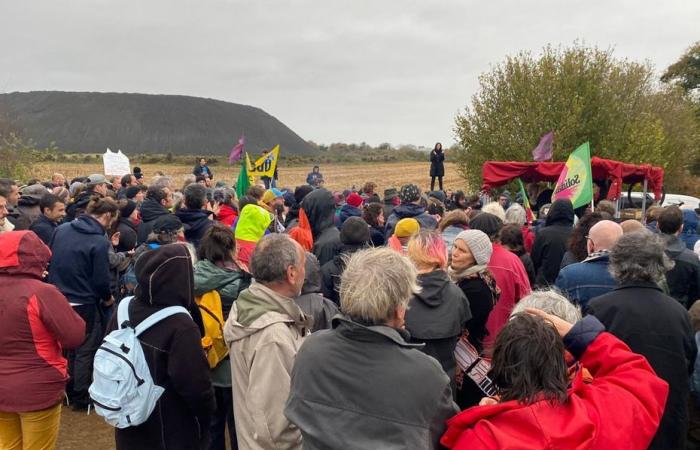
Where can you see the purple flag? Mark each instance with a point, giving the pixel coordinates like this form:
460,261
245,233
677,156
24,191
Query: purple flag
237,150
543,151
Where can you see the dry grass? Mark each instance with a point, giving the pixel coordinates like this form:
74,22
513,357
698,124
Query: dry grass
337,176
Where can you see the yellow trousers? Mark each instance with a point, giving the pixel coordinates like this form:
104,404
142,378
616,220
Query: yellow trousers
36,430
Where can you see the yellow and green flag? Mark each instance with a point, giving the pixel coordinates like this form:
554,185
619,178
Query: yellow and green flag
576,181
265,165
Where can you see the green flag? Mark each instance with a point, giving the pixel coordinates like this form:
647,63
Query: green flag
243,182
576,181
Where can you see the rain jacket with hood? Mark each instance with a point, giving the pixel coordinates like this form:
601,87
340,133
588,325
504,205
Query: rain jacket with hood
150,210
29,211
347,211
320,209
437,316
684,278
333,270
409,210
37,323
620,409
174,355
250,228
227,215
196,222
311,301
80,261
264,332
392,396
690,228
550,243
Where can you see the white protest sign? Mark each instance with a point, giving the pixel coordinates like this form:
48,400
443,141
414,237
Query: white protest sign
116,163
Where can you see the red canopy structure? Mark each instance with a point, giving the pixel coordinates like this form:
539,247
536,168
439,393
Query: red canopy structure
497,173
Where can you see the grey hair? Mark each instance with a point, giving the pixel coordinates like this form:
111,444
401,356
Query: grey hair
272,257
639,256
551,302
516,214
496,209
375,283
162,182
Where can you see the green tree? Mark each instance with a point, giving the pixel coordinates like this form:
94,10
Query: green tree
686,71
583,94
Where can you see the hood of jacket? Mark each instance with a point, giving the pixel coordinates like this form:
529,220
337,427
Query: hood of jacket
87,225
674,245
257,308
432,286
359,332
151,210
690,222
406,210
561,213
127,222
347,211
312,280
208,277
28,201
320,209
226,212
252,223
23,253
165,276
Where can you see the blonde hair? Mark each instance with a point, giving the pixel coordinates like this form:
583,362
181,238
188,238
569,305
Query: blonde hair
496,209
375,283
427,250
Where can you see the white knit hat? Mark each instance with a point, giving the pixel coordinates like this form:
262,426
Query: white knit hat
479,244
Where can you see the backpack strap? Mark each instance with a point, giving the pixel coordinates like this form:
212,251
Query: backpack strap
158,316
123,311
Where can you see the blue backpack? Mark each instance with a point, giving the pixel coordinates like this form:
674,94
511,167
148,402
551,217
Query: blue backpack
122,389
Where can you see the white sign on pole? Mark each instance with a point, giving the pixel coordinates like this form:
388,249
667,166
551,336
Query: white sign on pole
116,163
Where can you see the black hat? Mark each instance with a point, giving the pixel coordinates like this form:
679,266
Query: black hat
127,208
167,223
354,231
131,192
302,191
488,223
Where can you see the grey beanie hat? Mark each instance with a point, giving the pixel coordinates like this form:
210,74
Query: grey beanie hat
479,244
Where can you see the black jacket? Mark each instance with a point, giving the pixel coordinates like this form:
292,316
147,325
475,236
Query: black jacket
150,210
44,228
437,166
333,270
199,170
127,235
320,209
311,301
684,279
80,261
79,205
392,396
174,356
550,243
377,236
196,222
409,210
657,327
437,316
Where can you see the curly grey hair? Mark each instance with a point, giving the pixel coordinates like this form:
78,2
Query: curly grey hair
516,214
375,283
550,302
639,256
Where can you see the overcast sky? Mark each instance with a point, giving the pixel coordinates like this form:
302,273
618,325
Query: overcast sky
350,71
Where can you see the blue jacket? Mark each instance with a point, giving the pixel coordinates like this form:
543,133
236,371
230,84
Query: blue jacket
79,265
44,228
346,211
580,282
690,225
196,222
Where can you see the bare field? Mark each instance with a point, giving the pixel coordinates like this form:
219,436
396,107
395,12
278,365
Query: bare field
338,176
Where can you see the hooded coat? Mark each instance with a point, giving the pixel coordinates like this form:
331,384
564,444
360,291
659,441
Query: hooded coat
79,205
684,278
29,211
196,222
311,301
150,210
393,396
550,243
37,324
251,227
44,228
227,215
264,332
174,355
333,270
80,261
690,228
437,163
409,210
320,209
437,316
127,235
619,409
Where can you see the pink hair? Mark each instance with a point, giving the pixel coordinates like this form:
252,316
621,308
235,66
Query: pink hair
428,249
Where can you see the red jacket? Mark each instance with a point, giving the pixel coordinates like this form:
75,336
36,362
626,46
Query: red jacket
227,215
514,284
528,237
620,409
37,323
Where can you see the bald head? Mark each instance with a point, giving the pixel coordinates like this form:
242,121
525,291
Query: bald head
603,236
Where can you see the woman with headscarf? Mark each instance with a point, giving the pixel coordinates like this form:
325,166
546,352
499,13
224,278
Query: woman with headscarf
471,252
173,352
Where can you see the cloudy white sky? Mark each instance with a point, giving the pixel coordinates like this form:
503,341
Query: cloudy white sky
334,71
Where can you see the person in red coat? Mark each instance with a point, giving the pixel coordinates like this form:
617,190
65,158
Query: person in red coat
619,409
509,272
37,323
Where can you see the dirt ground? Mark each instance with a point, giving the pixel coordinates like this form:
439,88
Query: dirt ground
82,432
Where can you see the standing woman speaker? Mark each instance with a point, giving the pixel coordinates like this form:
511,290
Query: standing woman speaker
437,166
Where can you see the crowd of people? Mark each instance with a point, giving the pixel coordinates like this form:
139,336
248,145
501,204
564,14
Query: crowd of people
317,319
